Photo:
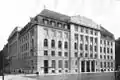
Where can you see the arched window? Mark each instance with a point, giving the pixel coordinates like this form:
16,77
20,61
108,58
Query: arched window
59,44
45,42
66,45
53,43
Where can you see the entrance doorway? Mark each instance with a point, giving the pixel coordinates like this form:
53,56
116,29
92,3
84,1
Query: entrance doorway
45,66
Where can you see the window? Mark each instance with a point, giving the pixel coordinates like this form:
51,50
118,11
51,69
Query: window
45,43
53,33
111,65
81,37
95,48
86,47
91,48
96,56
91,55
81,54
66,54
59,44
111,50
100,56
101,49
66,64
81,46
45,21
104,50
108,50
111,57
101,64
104,57
66,45
46,32
91,39
76,28
53,64
59,53
60,34
53,43
111,43
104,42
86,38
76,54
91,32
75,46
76,36
66,35
86,30
59,24
60,64
86,54
96,33
108,43
45,52
53,53
52,23
104,64
100,41
96,40
82,29
108,56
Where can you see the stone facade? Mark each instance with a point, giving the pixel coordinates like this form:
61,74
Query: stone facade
53,43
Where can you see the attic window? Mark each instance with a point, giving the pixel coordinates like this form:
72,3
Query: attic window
59,24
52,23
45,21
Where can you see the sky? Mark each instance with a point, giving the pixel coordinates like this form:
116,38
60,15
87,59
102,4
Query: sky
18,12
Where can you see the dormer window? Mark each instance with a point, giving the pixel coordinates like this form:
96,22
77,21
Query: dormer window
65,26
59,24
52,23
45,21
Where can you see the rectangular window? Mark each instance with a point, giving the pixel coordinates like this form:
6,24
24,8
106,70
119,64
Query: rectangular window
86,30
59,53
82,29
81,46
86,38
76,36
66,54
53,64
96,40
60,64
101,49
81,37
53,53
86,47
76,28
66,63
45,53
76,54
95,48
91,32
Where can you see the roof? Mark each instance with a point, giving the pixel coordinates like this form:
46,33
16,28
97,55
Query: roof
55,15
106,32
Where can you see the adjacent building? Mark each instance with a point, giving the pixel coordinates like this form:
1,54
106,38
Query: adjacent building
55,43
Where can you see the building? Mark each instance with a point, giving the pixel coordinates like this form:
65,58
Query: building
53,43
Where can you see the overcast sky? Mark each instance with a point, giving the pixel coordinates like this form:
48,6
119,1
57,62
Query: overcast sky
18,12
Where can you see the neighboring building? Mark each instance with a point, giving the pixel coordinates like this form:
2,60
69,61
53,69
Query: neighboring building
117,54
107,50
55,43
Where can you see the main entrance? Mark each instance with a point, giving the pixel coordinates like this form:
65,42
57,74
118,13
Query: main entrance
45,66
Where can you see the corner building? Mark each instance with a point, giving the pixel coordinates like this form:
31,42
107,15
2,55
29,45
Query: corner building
53,43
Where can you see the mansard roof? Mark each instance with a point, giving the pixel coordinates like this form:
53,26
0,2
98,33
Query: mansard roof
106,33
54,15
